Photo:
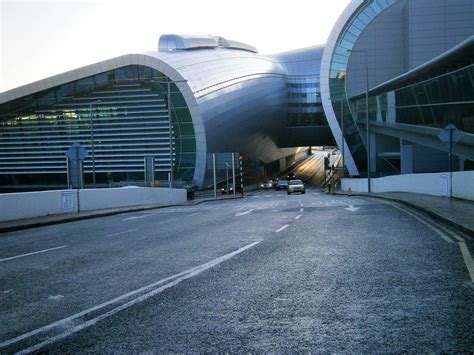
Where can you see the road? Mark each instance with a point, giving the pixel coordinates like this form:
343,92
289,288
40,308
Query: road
269,272
312,169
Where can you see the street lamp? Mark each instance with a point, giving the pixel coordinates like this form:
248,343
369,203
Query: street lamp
367,112
92,140
168,92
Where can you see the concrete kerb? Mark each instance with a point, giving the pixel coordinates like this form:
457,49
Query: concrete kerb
429,212
97,214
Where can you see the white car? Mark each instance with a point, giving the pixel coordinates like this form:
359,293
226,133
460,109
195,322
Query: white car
296,186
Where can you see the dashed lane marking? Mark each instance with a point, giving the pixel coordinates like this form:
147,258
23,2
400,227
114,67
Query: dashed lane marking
124,232
194,214
301,209
63,328
33,253
243,213
298,216
138,217
171,220
282,228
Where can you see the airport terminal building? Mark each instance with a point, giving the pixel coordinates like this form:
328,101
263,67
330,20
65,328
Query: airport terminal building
416,57
198,95
224,97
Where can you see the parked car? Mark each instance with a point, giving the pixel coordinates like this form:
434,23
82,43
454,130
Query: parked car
281,185
296,186
267,184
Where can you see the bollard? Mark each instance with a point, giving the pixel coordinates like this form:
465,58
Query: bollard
349,191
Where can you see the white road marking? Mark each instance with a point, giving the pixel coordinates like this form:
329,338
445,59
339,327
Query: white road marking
36,252
55,298
168,221
301,209
194,214
243,213
7,291
352,208
138,217
254,196
77,322
124,232
298,216
282,228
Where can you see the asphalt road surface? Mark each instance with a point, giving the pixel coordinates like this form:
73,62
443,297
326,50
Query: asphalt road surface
267,273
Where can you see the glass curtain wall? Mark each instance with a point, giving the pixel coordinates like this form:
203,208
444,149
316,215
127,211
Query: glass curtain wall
123,113
353,133
304,103
435,102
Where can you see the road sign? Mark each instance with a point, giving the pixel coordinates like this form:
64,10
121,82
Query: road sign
450,134
76,152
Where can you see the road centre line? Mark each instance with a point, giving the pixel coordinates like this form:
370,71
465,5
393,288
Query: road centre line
282,228
298,216
171,220
244,213
77,322
124,232
194,214
33,253
137,217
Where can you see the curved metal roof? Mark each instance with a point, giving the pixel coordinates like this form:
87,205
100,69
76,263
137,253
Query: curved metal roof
170,42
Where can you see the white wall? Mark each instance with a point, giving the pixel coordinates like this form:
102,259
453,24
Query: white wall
36,204
436,184
97,199
29,204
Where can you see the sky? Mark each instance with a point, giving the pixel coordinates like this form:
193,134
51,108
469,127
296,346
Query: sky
43,38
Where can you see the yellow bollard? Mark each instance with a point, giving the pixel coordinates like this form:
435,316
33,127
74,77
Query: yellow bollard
349,191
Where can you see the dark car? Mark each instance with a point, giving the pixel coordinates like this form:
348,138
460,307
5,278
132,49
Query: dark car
231,190
290,176
281,185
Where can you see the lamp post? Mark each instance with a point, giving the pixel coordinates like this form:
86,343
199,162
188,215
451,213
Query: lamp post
168,95
92,140
342,137
367,112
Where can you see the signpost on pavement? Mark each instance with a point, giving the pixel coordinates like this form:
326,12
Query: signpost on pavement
450,135
76,154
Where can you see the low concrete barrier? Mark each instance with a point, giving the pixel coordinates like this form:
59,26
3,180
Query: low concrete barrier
36,204
436,184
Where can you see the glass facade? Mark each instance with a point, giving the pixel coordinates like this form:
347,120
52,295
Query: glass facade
435,102
338,66
123,112
304,103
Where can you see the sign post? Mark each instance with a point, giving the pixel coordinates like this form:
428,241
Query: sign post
450,135
76,154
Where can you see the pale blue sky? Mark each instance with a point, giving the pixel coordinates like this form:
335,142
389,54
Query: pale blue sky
43,38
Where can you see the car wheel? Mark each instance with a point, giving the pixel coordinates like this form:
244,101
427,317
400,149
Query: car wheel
303,192
288,192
